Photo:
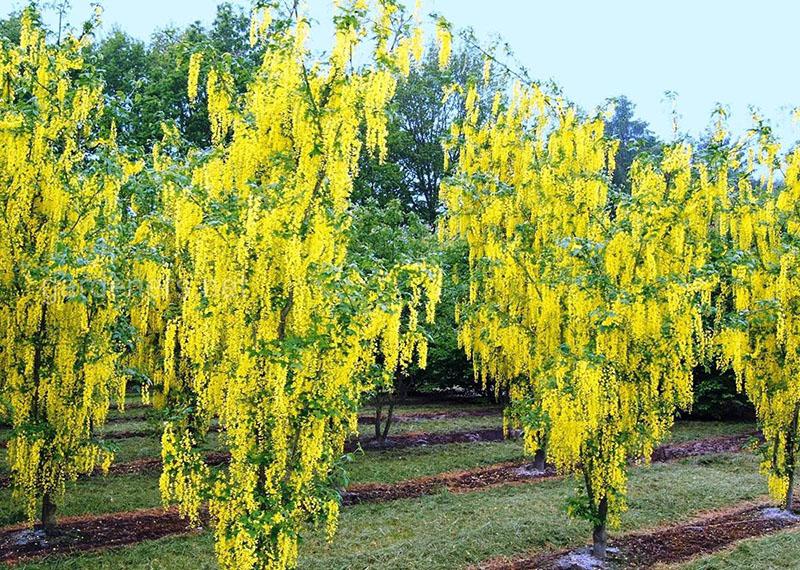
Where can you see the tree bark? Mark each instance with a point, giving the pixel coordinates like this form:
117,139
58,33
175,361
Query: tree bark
388,424
791,459
48,521
378,410
539,459
600,531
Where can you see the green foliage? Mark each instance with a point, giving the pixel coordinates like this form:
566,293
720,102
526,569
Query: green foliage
146,84
717,398
419,121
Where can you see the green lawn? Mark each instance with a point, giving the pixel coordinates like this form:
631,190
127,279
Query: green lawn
125,492
689,430
453,530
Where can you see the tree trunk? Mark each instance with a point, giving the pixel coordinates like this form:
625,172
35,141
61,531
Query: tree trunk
600,532
48,521
539,459
791,459
378,409
388,424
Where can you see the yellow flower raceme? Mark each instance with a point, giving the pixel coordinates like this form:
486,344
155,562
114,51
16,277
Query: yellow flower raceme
758,337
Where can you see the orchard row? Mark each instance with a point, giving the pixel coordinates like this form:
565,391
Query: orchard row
219,278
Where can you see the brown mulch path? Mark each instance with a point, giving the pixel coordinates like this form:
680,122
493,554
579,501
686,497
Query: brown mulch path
454,481
92,532
675,543
418,439
364,418
707,446
395,441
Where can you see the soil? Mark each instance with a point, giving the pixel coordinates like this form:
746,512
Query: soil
519,472
85,533
399,439
456,482
402,441
127,418
671,544
707,446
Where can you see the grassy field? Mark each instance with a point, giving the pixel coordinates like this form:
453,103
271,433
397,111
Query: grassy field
443,530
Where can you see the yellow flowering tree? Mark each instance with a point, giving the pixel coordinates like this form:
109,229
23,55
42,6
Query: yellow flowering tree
585,303
59,183
759,320
255,314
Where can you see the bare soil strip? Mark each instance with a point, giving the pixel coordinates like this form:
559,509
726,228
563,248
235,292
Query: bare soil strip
363,418
418,439
456,482
94,532
711,532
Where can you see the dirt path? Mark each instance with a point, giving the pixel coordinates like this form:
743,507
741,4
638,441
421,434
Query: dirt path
680,542
86,533
455,481
400,438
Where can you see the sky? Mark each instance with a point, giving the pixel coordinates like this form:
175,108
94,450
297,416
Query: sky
734,52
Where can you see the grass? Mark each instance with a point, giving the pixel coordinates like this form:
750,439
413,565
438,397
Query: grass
779,551
688,430
126,492
397,465
97,494
437,426
453,530
94,495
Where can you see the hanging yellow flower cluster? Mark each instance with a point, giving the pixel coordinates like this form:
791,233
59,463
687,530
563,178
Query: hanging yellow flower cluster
59,184
256,318
585,305
759,323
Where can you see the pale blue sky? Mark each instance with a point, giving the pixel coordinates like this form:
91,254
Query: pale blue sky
737,52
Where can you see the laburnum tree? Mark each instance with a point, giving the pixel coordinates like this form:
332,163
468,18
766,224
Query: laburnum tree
254,313
586,303
759,305
59,183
